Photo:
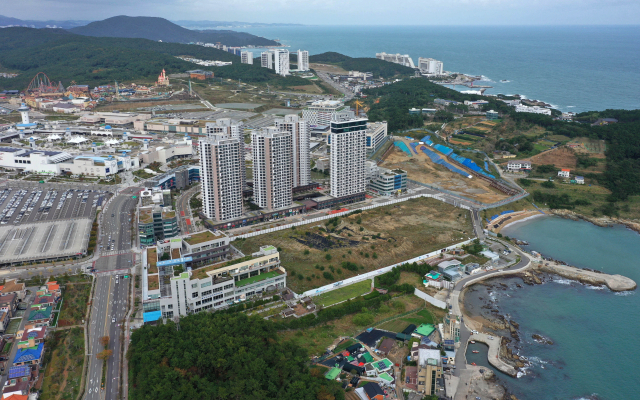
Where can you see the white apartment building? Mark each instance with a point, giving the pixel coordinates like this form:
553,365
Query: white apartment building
221,175
246,57
281,61
303,60
299,129
376,135
320,112
225,127
266,59
348,154
272,168
430,66
534,109
518,165
402,59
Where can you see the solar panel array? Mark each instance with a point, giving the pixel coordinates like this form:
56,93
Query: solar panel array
18,372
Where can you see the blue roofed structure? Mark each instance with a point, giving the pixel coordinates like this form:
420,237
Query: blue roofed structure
29,355
151,316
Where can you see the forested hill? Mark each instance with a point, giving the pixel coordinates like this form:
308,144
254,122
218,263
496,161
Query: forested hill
67,57
154,28
222,356
376,67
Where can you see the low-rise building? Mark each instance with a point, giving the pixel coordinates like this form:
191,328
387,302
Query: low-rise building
449,265
9,303
491,114
171,289
29,355
386,182
580,180
166,154
376,134
156,223
91,166
519,166
373,391
564,173
429,371
533,109
31,337
12,286
40,315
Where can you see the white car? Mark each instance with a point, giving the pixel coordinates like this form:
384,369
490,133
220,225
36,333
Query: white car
113,320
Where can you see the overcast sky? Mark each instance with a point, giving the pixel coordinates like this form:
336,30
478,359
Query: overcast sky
341,12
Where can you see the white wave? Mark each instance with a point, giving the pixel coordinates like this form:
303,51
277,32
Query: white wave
563,281
522,96
627,293
593,396
485,78
505,81
571,106
553,106
595,287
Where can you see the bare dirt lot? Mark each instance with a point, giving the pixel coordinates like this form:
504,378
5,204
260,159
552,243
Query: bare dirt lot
313,255
420,168
334,69
562,157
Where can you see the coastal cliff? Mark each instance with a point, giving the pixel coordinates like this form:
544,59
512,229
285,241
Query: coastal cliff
600,221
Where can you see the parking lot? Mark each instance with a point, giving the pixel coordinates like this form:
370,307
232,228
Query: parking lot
28,205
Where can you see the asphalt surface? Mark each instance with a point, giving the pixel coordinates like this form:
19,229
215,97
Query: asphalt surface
111,294
182,205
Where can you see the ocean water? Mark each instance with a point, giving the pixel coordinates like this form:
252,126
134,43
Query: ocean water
595,331
573,68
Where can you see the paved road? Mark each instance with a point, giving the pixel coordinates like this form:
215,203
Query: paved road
110,300
182,205
348,95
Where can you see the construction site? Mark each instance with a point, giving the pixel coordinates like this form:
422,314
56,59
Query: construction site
446,171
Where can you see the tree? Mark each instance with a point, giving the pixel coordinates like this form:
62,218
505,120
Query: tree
105,354
104,341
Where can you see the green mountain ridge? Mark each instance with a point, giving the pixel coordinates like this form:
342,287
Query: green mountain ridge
377,67
65,56
154,28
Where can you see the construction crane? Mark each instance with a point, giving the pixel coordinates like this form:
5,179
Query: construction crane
358,104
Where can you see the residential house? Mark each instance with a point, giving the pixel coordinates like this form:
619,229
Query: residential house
580,180
564,173
15,396
31,337
386,345
9,303
12,286
604,121
29,356
17,386
4,321
373,391
40,315
449,265
519,166
44,300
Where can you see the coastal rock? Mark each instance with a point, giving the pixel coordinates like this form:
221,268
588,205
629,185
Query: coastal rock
541,339
515,324
616,283
599,221
513,397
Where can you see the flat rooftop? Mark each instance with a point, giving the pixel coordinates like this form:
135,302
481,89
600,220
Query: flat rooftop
202,237
257,278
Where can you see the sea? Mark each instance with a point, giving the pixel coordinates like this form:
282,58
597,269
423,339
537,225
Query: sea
594,331
573,68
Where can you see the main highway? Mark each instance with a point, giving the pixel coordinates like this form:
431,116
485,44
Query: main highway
111,294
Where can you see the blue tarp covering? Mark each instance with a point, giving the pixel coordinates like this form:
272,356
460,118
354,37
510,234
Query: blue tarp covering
486,166
429,142
438,160
494,217
443,149
425,139
506,212
402,147
151,316
470,164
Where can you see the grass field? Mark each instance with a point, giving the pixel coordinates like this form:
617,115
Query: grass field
317,339
398,325
63,360
342,294
372,239
74,307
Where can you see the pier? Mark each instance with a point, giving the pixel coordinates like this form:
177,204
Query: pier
494,351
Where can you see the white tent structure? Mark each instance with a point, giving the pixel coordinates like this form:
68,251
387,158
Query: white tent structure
53,138
77,140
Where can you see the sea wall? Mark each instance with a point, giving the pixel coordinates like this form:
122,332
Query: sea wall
616,283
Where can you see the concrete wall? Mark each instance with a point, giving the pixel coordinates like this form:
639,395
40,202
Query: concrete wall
429,299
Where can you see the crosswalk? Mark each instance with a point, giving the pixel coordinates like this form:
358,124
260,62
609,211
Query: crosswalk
113,252
113,272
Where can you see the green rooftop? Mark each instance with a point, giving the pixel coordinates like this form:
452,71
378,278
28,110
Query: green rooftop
333,373
367,357
257,278
386,377
42,313
183,275
387,363
425,329
201,237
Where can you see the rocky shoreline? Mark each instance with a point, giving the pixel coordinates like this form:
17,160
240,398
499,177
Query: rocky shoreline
604,222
